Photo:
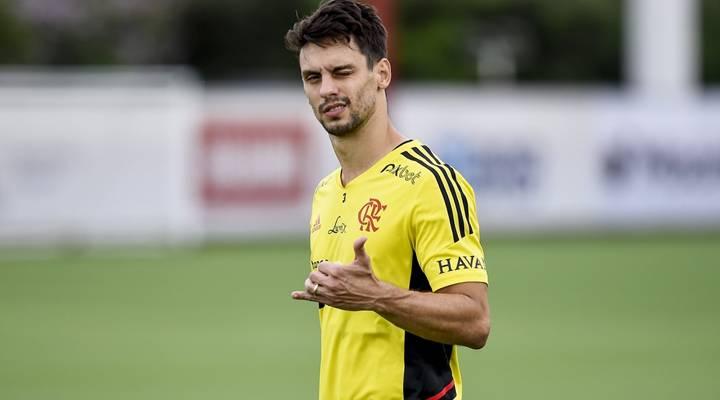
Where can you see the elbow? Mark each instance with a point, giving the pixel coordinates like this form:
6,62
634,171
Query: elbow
479,335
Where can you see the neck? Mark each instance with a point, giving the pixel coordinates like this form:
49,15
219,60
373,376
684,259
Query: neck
359,151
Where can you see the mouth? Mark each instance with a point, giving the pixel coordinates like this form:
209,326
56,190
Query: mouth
333,109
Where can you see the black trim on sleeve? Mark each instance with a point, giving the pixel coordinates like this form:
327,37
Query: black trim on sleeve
452,190
442,191
454,176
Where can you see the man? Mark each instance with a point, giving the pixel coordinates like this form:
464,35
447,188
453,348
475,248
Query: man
397,266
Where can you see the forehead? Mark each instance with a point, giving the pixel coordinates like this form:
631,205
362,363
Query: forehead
315,57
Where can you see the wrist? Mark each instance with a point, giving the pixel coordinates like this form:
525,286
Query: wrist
388,298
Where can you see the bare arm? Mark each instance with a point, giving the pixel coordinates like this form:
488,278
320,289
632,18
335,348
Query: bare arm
457,314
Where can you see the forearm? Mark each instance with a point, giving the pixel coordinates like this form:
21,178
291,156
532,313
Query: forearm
452,318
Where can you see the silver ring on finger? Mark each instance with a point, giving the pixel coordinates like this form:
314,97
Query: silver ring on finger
315,288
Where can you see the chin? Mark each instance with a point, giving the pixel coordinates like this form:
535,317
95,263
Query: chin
338,131
336,127
343,126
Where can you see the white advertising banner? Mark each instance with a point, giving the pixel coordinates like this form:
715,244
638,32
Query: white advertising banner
529,157
98,158
553,160
659,165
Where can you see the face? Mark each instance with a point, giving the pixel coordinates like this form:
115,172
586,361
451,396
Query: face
340,88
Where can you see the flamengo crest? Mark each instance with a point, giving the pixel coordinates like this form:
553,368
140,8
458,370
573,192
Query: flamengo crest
369,215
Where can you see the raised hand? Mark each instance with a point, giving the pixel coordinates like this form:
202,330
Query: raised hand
350,287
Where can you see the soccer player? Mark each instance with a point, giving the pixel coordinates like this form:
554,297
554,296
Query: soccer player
396,263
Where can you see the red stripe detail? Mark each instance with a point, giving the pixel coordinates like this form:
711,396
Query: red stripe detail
443,392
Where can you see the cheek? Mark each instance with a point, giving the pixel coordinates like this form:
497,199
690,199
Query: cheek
367,92
311,97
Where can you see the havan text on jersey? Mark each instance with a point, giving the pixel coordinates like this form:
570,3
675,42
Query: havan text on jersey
462,262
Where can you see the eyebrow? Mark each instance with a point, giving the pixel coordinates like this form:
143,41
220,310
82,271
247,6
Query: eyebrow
346,66
309,72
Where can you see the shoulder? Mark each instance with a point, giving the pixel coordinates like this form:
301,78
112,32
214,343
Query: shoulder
409,163
325,181
427,169
446,201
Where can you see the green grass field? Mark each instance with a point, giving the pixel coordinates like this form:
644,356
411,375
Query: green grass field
589,318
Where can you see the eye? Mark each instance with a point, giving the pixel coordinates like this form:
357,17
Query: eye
344,72
312,78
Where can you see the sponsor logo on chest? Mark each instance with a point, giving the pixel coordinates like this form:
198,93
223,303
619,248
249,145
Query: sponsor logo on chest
402,172
338,227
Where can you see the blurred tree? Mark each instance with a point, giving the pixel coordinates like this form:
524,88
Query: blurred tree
709,49
82,32
15,37
229,39
526,41
523,40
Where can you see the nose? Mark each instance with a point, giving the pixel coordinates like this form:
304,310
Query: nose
328,87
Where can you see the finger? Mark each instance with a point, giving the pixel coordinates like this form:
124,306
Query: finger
309,285
300,295
361,256
327,268
318,277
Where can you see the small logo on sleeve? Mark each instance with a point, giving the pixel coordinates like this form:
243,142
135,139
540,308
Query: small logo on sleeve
369,215
463,262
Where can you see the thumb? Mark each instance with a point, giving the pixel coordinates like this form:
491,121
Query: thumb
361,256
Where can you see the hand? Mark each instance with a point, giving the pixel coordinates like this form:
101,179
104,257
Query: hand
349,287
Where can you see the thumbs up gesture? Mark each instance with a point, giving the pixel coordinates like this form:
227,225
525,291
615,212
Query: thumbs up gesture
350,287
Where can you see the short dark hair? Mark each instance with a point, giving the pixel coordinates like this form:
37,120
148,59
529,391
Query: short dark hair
340,21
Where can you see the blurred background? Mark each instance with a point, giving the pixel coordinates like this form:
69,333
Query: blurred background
157,163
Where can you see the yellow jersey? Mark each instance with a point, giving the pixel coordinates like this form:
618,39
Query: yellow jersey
419,216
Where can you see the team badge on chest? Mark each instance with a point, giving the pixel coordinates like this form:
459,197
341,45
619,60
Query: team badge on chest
369,215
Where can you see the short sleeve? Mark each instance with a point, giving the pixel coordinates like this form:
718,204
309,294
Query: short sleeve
445,231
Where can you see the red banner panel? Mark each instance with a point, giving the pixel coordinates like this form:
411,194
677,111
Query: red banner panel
250,162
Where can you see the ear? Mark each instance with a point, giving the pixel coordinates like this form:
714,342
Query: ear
383,72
